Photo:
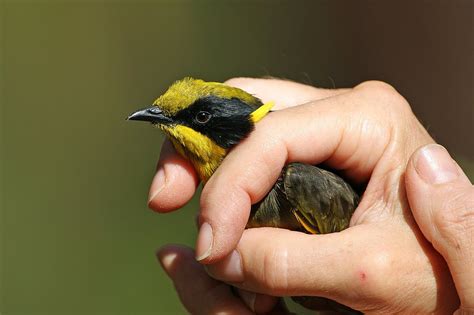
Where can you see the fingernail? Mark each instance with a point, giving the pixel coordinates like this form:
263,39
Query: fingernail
435,165
167,260
157,184
248,298
204,242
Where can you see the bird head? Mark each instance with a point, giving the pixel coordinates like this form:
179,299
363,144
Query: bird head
204,120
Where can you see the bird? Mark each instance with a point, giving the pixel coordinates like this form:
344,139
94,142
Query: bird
205,120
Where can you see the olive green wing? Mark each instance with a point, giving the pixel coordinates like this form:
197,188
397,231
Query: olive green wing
274,210
322,201
309,199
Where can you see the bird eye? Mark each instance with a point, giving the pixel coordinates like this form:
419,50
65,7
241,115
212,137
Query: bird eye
203,117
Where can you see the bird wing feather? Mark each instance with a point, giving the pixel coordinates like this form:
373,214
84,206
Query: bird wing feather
274,210
322,201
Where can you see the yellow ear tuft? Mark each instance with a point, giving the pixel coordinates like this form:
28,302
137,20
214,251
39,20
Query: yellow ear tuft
260,112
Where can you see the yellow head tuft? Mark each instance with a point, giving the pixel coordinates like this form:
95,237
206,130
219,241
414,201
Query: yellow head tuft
261,112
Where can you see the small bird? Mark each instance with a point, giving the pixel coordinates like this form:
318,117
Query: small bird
205,120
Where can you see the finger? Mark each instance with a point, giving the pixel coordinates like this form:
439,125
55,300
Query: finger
442,201
339,130
259,303
284,93
174,183
199,293
296,264
353,267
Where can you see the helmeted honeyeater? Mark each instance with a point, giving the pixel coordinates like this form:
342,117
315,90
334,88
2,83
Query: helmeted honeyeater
204,120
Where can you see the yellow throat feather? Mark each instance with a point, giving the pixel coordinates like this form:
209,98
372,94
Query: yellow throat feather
204,154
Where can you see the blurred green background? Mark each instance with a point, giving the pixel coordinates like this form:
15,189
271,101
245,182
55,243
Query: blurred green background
76,236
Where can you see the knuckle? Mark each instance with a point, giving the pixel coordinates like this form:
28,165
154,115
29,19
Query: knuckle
384,93
376,86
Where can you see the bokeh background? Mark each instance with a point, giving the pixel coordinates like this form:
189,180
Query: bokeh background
76,236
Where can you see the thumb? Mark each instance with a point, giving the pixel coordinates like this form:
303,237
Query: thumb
442,201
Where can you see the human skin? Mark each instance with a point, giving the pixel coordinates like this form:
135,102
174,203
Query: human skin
442,201
381,263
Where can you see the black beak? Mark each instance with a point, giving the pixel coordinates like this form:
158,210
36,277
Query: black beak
152,114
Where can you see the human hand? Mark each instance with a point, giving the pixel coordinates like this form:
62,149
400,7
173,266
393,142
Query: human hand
442,201
380,263
201,294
